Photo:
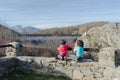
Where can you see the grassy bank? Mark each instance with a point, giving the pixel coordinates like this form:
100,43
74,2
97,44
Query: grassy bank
19,75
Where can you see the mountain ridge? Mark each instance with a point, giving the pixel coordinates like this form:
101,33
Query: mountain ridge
24,30
78,29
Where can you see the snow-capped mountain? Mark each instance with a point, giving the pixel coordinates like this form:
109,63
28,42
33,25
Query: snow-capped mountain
24,30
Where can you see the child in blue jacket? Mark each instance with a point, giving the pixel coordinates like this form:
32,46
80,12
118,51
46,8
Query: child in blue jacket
79,50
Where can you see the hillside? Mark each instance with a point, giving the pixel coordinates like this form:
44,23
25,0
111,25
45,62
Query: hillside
78,29
7,34
104,36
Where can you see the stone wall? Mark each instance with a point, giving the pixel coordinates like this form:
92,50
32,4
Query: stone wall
104,69
14,50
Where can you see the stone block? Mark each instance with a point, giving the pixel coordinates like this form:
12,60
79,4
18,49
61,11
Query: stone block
77,74
87,64
107,57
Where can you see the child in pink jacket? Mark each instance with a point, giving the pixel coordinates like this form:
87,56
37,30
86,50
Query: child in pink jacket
62,49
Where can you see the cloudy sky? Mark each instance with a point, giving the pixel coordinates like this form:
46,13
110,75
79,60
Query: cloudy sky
57,13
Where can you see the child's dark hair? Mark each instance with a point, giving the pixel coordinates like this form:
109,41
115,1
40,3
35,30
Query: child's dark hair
63,42
80,43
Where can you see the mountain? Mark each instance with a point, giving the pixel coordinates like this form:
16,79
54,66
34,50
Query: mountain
78,29
24,30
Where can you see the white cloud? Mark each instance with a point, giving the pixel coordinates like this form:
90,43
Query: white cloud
43,26
46,26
